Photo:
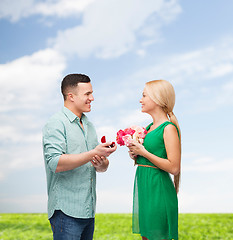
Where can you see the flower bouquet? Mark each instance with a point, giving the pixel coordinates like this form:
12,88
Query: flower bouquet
125,137
137,133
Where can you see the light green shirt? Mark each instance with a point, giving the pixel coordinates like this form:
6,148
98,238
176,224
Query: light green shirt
73,191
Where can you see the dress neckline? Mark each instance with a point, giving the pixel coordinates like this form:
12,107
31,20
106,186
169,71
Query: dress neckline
156,127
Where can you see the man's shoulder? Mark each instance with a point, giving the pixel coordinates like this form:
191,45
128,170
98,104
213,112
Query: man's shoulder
57,120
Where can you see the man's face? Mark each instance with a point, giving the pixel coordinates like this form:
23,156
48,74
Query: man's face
83,97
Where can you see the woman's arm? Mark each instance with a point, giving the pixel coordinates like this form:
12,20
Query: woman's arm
172,145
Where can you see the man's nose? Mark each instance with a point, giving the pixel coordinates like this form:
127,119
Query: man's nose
91,98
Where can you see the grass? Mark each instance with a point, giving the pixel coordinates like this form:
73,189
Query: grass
117,227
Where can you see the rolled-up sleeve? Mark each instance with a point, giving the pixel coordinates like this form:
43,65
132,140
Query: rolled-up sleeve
54,143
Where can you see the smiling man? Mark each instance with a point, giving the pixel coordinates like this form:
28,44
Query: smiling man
72,156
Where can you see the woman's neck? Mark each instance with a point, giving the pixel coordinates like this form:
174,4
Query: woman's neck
159,117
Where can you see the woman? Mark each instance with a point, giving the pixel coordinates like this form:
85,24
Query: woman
155,206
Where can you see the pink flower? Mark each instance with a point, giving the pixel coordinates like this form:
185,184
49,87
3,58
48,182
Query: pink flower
127,139
137,133
129,131
119,139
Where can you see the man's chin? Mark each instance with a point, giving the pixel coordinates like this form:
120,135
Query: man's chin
87,109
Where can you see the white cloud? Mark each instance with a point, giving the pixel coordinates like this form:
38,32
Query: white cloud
208,164
225,93
21,156
196,66
26,159
27,85
17,9
211,97
19,131
27,81
111,27
192,73
61,8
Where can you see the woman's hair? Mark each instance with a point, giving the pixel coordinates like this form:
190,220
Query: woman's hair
163,94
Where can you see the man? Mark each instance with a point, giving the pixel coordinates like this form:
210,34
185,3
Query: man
72,156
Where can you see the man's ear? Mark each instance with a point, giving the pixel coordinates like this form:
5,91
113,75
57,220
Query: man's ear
70,97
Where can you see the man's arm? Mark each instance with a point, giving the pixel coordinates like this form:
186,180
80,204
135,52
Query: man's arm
70,161
54,143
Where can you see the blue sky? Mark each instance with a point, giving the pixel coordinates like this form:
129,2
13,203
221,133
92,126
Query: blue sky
120,44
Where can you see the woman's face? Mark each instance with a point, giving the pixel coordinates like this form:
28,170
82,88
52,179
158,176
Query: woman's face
148,105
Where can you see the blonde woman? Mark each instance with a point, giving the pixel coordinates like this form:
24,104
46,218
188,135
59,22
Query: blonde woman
155,206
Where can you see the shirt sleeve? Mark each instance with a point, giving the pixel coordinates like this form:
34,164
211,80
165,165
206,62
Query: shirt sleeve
54,143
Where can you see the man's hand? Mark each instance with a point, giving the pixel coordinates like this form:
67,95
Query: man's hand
70,161
100,163
104,149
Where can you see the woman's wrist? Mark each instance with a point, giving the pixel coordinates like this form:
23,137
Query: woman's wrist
144,152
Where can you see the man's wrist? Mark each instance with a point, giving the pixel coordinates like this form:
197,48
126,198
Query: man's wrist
92,153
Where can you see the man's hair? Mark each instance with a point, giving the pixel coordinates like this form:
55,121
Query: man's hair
71,81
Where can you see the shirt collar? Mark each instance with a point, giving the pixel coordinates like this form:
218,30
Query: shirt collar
72,117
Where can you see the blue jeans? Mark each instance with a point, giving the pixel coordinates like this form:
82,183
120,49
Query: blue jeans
68,228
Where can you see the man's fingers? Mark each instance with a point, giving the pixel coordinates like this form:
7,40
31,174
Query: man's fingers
106,144
97,160
111,145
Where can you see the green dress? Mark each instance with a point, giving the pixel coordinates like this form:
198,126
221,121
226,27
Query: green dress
155,204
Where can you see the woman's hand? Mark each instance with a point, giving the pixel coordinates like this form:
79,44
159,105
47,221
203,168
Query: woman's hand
132,155
136,148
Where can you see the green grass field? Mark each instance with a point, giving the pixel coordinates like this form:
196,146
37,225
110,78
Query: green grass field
117,227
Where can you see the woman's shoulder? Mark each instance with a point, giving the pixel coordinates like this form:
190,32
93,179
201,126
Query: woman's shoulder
171,128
